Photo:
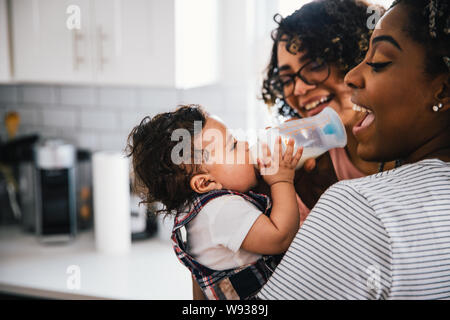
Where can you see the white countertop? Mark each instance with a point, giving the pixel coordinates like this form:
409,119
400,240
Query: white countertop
149,271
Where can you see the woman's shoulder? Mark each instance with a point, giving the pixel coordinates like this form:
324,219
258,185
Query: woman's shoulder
423,167
372,196
425,174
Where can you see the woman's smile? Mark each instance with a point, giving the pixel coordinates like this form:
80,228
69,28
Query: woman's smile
316,104
365,122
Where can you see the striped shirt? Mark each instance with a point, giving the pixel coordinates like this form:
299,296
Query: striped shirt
385,236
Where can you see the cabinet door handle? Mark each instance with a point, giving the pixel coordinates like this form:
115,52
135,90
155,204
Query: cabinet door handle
77,60
101,37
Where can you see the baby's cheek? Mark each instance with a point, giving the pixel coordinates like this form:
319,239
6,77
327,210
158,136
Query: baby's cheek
251,176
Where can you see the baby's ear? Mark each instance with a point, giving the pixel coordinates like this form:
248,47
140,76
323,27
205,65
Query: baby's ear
204,182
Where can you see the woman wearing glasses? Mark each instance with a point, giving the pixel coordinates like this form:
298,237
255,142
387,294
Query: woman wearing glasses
313,49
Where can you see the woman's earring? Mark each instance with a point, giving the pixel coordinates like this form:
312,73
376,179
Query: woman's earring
437,107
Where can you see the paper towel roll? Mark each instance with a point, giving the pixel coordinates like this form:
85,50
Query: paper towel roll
111,202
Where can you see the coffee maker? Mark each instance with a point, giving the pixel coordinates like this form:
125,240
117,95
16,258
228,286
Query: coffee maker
17,161
56,218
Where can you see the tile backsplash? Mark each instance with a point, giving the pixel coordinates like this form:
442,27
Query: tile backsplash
100,118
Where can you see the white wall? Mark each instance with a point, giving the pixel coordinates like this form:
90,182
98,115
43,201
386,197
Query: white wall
4,48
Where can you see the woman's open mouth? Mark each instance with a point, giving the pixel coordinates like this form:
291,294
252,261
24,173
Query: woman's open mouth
314,107
365,122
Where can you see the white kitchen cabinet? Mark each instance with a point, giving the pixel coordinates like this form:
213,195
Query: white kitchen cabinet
132,42
45,49
5,69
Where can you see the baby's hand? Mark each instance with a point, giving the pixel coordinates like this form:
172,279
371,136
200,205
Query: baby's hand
280,167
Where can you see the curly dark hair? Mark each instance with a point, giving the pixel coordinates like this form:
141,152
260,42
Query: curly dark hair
156,176
333,30
429,25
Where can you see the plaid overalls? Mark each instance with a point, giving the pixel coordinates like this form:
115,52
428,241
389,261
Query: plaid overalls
233,284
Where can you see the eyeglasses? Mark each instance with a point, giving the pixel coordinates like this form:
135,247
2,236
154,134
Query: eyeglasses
313,73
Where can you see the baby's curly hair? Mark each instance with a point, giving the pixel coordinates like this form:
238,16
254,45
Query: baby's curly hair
156,176
333,30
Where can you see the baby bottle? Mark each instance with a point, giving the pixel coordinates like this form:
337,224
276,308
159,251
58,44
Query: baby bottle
316,134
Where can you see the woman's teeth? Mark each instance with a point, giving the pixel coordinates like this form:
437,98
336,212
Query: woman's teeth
361,109
314,104
367,119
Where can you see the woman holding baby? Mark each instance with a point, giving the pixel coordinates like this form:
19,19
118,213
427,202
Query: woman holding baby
387,235
313,49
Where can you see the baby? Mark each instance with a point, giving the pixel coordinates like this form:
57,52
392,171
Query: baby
230,233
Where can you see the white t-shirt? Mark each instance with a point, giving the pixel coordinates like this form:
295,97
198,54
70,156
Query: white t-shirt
215,235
